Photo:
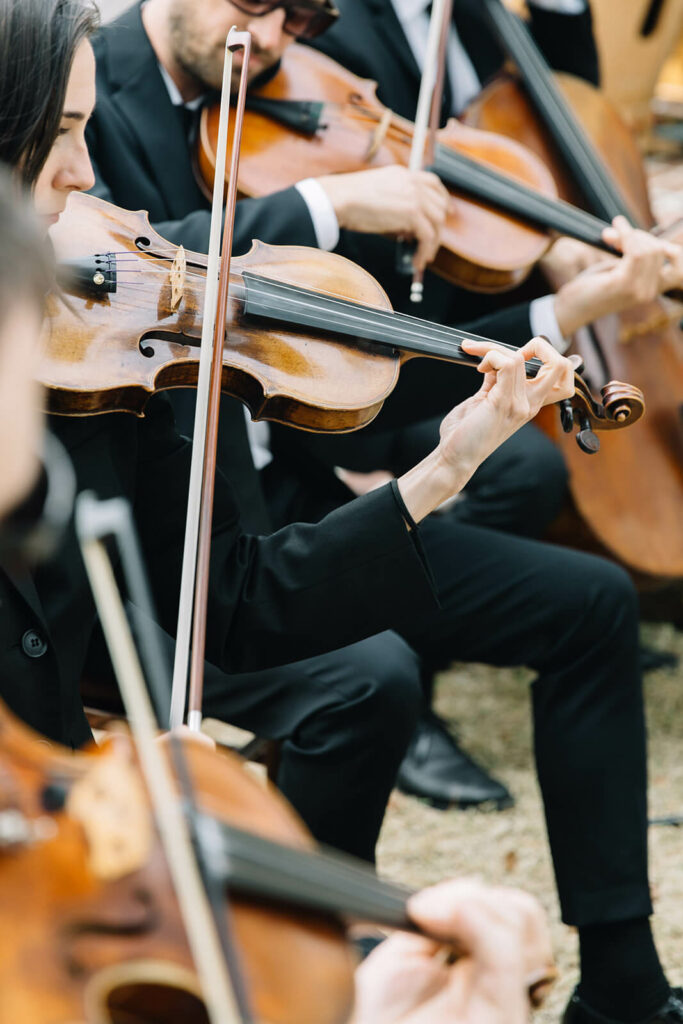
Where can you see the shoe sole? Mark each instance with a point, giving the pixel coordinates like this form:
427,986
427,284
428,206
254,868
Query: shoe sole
485,806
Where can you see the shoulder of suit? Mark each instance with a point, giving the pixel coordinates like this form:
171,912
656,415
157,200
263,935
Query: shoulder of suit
122,46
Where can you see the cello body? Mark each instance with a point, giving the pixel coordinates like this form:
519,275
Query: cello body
636,518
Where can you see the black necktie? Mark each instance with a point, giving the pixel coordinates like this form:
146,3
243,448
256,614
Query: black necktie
188,118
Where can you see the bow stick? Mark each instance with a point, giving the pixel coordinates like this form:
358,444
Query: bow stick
196,555
212,948
429,104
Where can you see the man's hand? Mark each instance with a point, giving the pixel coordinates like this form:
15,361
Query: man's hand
475,428
391,201
502,945
649,267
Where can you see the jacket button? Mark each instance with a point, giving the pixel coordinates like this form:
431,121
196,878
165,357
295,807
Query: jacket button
33,644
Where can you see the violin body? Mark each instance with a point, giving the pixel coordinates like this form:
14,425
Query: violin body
80,943
633,510
481,249
113,352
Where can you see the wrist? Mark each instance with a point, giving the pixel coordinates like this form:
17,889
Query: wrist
431,482
333,187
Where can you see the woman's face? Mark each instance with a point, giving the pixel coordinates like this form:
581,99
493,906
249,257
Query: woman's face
68,168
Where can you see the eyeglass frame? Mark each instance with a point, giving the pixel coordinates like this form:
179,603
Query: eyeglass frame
327,10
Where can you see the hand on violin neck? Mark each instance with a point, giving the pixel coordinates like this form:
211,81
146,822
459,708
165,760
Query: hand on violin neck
502,945
474,429
391,201
649,267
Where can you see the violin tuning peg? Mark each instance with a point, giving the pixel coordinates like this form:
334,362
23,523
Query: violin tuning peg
566,416
587,440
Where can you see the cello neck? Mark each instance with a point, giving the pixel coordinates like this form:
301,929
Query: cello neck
588,170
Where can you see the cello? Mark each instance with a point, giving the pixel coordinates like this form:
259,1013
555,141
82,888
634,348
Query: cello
635,517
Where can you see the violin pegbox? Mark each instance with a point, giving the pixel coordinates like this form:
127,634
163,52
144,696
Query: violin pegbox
621,406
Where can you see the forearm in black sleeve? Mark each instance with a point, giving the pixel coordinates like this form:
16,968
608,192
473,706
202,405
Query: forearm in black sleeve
301,591
279,219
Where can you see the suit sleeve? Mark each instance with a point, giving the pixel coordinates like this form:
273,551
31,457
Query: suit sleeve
302,591
280,219
567,42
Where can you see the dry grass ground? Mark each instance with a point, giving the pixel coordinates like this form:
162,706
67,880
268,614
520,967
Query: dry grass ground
420,845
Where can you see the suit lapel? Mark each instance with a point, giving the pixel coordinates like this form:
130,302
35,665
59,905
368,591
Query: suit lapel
23,583
143,101
392,37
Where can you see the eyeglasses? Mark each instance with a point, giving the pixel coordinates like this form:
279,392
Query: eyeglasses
303,18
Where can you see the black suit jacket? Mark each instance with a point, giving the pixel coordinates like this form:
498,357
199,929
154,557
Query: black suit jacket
368,39
301,591
141,158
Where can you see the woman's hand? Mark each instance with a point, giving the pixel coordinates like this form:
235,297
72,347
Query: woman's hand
502,946
474,429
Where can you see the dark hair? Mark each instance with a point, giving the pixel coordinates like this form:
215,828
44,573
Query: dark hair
38,41
25,264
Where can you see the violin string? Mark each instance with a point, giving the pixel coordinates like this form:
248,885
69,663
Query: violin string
311,302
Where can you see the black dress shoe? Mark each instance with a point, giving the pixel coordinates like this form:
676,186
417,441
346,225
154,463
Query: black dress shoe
436,769
578,1012
651,660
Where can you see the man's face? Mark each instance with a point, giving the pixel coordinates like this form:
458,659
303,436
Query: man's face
199,28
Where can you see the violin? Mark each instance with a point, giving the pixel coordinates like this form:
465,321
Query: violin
633,513
503,202
85,893
311,342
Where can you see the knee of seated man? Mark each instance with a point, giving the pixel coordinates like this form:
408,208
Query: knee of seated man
544,470
390,686
612,601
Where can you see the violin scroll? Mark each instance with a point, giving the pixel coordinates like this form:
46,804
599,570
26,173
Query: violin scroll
621,406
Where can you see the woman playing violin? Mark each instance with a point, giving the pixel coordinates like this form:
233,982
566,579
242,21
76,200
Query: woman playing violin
502,931
272,599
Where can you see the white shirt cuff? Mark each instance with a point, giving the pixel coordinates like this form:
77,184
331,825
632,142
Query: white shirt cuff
325,223
561,6
543,321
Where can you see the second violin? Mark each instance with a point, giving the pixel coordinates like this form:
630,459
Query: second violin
288,136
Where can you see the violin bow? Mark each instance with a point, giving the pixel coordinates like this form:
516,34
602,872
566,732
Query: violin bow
429,105
209,938
194,584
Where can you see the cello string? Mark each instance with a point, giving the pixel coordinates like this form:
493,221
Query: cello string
577,147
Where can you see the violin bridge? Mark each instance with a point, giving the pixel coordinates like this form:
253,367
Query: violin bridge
178,277
379,135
